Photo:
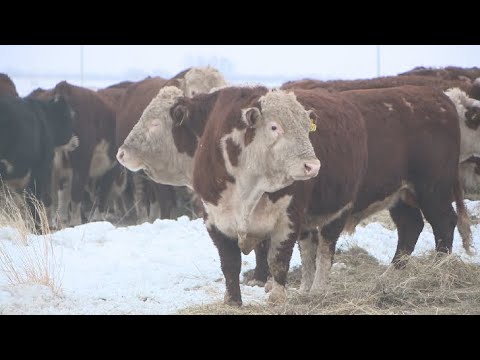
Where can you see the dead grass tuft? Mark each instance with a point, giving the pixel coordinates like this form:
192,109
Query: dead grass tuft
26,258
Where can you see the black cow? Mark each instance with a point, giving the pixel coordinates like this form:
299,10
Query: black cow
30,129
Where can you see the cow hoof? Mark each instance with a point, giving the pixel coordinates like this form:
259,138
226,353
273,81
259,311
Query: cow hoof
278,296
471,251
227,300
268,285
255,282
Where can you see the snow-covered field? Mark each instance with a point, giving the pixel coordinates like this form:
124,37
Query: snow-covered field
155,268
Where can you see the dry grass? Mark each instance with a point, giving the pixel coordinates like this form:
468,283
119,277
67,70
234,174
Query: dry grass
430,284
23,260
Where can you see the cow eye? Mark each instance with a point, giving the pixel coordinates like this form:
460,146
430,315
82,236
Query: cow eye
274,127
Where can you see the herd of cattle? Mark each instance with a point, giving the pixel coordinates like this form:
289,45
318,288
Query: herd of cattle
304,162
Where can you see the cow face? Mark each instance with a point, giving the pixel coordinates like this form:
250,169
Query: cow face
278,148
61,118
472,117
201,80
150,145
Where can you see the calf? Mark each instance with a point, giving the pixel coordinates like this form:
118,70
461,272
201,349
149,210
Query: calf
30,130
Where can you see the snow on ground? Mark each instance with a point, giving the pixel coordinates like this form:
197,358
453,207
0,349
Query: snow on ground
156,268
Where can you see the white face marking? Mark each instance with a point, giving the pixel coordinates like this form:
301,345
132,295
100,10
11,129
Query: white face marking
100,162
469,138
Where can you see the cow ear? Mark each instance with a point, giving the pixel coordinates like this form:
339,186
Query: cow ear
313,120
179,114
252,116
472,117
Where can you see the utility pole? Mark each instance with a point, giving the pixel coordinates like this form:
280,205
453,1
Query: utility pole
378,60
81,65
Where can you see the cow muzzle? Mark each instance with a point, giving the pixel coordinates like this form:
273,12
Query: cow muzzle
126,159
309,170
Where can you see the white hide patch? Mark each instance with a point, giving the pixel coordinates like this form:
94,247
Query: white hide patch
100,162
469,144
388,106
409,105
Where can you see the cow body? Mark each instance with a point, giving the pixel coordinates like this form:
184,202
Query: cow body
78,170
30,131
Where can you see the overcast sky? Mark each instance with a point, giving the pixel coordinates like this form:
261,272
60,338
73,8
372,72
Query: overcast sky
33,66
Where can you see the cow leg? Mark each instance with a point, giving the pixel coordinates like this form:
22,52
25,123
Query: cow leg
53,213
308,244
140,199
79,183
40,187
409,222
103,189
167,199
327,242
279,255
439,212
64,199
231,262
261,272
155,211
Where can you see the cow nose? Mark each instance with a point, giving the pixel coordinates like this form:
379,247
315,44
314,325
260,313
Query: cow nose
312,168
120,155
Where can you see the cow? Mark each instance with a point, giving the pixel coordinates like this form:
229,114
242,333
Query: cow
166,140
378,83
191,81
447,73
413,158
93,156
464,94
7,87
30,130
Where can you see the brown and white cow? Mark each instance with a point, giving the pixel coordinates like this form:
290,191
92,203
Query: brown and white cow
151,197
7,87
93,156
168,135
463,93
413,154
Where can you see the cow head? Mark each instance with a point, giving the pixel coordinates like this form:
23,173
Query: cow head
150,145
61,118
200,80
275,145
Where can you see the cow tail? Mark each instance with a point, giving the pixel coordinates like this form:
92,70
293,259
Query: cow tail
463,222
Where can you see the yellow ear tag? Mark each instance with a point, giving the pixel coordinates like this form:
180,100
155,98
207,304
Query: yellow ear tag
313,126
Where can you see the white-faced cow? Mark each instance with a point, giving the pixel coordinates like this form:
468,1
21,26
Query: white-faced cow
238,136
154,199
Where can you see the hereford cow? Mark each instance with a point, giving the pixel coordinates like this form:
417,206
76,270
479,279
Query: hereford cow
242,126
30,130
448,73
7,87
78,171
413,154
191,81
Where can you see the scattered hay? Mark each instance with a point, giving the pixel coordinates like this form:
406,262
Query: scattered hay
430,284
24,260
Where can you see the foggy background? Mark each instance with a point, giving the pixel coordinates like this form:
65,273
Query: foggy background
96,66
